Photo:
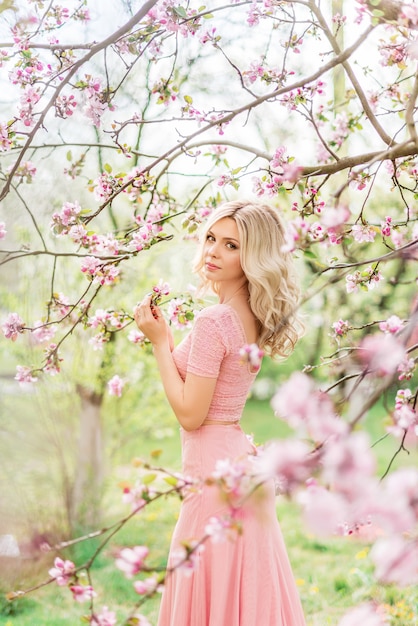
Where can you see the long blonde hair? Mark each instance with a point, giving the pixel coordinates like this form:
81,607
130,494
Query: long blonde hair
272,283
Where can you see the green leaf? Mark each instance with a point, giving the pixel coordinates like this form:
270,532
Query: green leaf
207,16
188,99
69,156
108,168
7,4
310,255
181,12
236,170
171,480
148,478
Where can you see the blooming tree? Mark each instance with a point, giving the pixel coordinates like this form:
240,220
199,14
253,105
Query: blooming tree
120,138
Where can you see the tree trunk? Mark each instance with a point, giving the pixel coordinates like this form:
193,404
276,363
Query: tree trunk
85,510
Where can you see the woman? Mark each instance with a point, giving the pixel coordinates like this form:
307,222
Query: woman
244,579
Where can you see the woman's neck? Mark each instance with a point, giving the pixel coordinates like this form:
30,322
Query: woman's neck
227,296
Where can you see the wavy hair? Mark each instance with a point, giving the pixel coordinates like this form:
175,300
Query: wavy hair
272,282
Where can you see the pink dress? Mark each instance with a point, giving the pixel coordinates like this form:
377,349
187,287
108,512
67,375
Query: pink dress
246,579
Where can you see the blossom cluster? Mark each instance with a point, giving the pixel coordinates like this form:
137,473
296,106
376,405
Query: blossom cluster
350,494
282,169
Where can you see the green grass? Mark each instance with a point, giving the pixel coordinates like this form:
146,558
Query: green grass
331,574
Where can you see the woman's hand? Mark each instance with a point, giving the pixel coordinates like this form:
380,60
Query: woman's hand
151,322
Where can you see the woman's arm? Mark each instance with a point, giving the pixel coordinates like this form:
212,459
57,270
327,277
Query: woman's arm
189,399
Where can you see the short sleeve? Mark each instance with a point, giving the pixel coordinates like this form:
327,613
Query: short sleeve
207,349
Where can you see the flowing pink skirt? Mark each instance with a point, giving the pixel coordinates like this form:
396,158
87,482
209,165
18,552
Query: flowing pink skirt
245,580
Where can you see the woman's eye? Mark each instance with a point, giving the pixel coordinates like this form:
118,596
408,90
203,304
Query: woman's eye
231,245
210,238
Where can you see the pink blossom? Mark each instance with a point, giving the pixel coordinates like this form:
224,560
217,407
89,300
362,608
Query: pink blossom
391,504
364,615
105,185
347,463
104,618
66,218
62,571
405,419
402,397
52,364
65,105
147,586
28,100
341,129
363,233
82,14
341,328
100,317
103,244
256,71
106,275
135,496
391,325
410,13
366,279
24,375
333,217
43,332
5,141
305,407
398,238
386,226
208,35
12,326
395,560
93,110
402,486
289,462
179,314
26,170
292,172
252,354
61,303
115,386
82,593
324,511
161,289
142,238
232,477
78,234
90,265
296,234
186,560
406,368
136,336
131,560
218,529
381,354
99,341
412,49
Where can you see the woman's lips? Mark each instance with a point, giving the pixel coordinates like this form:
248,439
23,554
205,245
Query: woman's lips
211,267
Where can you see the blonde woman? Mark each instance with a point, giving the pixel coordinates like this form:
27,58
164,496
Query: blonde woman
244,579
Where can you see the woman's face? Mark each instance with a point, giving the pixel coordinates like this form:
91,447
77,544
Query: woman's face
221,252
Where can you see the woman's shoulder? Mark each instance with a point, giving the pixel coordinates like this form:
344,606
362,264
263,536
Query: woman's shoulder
216,312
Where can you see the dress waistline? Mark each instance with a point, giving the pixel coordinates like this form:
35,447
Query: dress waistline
219,423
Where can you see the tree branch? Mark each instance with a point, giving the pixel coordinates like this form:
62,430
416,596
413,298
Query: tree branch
92,52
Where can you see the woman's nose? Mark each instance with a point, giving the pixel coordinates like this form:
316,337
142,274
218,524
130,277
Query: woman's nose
212,250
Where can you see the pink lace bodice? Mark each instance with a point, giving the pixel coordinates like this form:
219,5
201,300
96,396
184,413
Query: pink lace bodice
211,350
